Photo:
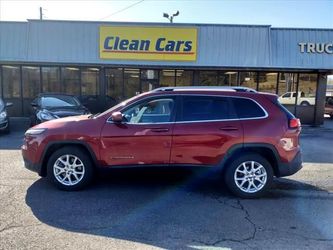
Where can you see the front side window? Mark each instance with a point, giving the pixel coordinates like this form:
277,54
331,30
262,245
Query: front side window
152,111
205,108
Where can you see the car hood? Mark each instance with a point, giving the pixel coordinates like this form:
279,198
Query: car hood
67,111
71,128
61,122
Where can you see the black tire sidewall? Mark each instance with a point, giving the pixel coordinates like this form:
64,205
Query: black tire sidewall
231,168
88,167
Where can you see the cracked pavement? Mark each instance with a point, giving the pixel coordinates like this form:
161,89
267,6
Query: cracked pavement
167,208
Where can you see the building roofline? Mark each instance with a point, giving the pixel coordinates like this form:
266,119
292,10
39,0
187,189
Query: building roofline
149,23
169,24
292,28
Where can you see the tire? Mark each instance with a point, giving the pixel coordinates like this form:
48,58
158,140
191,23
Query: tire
64,175
305,103
234,178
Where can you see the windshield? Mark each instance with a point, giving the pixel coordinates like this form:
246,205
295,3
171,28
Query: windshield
119,105
59,101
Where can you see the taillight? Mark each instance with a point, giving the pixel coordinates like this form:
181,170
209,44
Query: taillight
294,123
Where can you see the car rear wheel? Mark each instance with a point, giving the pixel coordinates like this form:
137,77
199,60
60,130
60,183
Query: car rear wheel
305,103
70,169
249,176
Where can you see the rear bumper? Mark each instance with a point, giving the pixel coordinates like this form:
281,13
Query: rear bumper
290,168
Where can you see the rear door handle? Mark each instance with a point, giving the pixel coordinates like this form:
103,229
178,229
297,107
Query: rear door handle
159,130
229,128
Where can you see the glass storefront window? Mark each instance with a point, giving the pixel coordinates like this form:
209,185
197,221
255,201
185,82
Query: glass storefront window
227,78
167,78
287,90
267,82
31,81
51,79
89,81
248,79
11,81
131,82
149,80
71,80
287,83
306,98
114,86
184,77
208,78
149,74
307,87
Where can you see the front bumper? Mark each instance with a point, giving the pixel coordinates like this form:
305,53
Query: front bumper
32,166
290,168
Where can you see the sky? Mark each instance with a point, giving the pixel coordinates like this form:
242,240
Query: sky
278,13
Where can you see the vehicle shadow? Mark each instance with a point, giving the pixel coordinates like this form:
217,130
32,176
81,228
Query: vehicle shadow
165,208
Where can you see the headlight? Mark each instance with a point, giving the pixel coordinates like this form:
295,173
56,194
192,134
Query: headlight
35,131
3,114
45,116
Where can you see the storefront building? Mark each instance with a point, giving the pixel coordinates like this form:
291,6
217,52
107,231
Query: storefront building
103,63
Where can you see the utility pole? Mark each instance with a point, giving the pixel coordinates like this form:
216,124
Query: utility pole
40,13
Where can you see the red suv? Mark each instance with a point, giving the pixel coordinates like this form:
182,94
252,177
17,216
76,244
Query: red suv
249,136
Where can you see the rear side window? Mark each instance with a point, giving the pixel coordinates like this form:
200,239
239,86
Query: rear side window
247,108
200,108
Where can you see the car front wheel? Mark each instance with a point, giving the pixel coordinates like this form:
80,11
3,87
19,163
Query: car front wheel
70,169
249,176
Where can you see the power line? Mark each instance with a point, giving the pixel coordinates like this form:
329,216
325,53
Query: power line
121,10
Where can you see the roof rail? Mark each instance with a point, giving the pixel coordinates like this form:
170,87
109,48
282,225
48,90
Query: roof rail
213,88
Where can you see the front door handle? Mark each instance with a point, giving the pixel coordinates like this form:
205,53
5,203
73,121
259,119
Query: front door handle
229,128
159,130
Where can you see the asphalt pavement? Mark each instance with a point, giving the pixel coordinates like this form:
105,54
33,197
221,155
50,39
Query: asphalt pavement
167,208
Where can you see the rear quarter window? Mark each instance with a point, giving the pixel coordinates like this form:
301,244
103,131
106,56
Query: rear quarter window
247,108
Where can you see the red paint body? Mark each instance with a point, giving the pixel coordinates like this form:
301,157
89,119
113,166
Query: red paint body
184,143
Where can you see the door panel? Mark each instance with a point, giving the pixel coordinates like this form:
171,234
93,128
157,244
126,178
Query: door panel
136,144
204,143
206,127
144,136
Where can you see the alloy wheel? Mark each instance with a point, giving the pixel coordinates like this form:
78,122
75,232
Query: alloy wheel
69,170
250,176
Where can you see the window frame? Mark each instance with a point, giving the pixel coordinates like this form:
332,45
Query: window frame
149,99
250,118
232,107
181,106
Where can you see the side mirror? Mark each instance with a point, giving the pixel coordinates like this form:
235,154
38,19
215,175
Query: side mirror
117,117
9,104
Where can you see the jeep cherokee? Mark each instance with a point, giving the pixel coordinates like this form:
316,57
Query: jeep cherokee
249,136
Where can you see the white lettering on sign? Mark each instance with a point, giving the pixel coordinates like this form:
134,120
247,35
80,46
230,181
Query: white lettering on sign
316,48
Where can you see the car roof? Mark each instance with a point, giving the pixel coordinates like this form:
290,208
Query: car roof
206,88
